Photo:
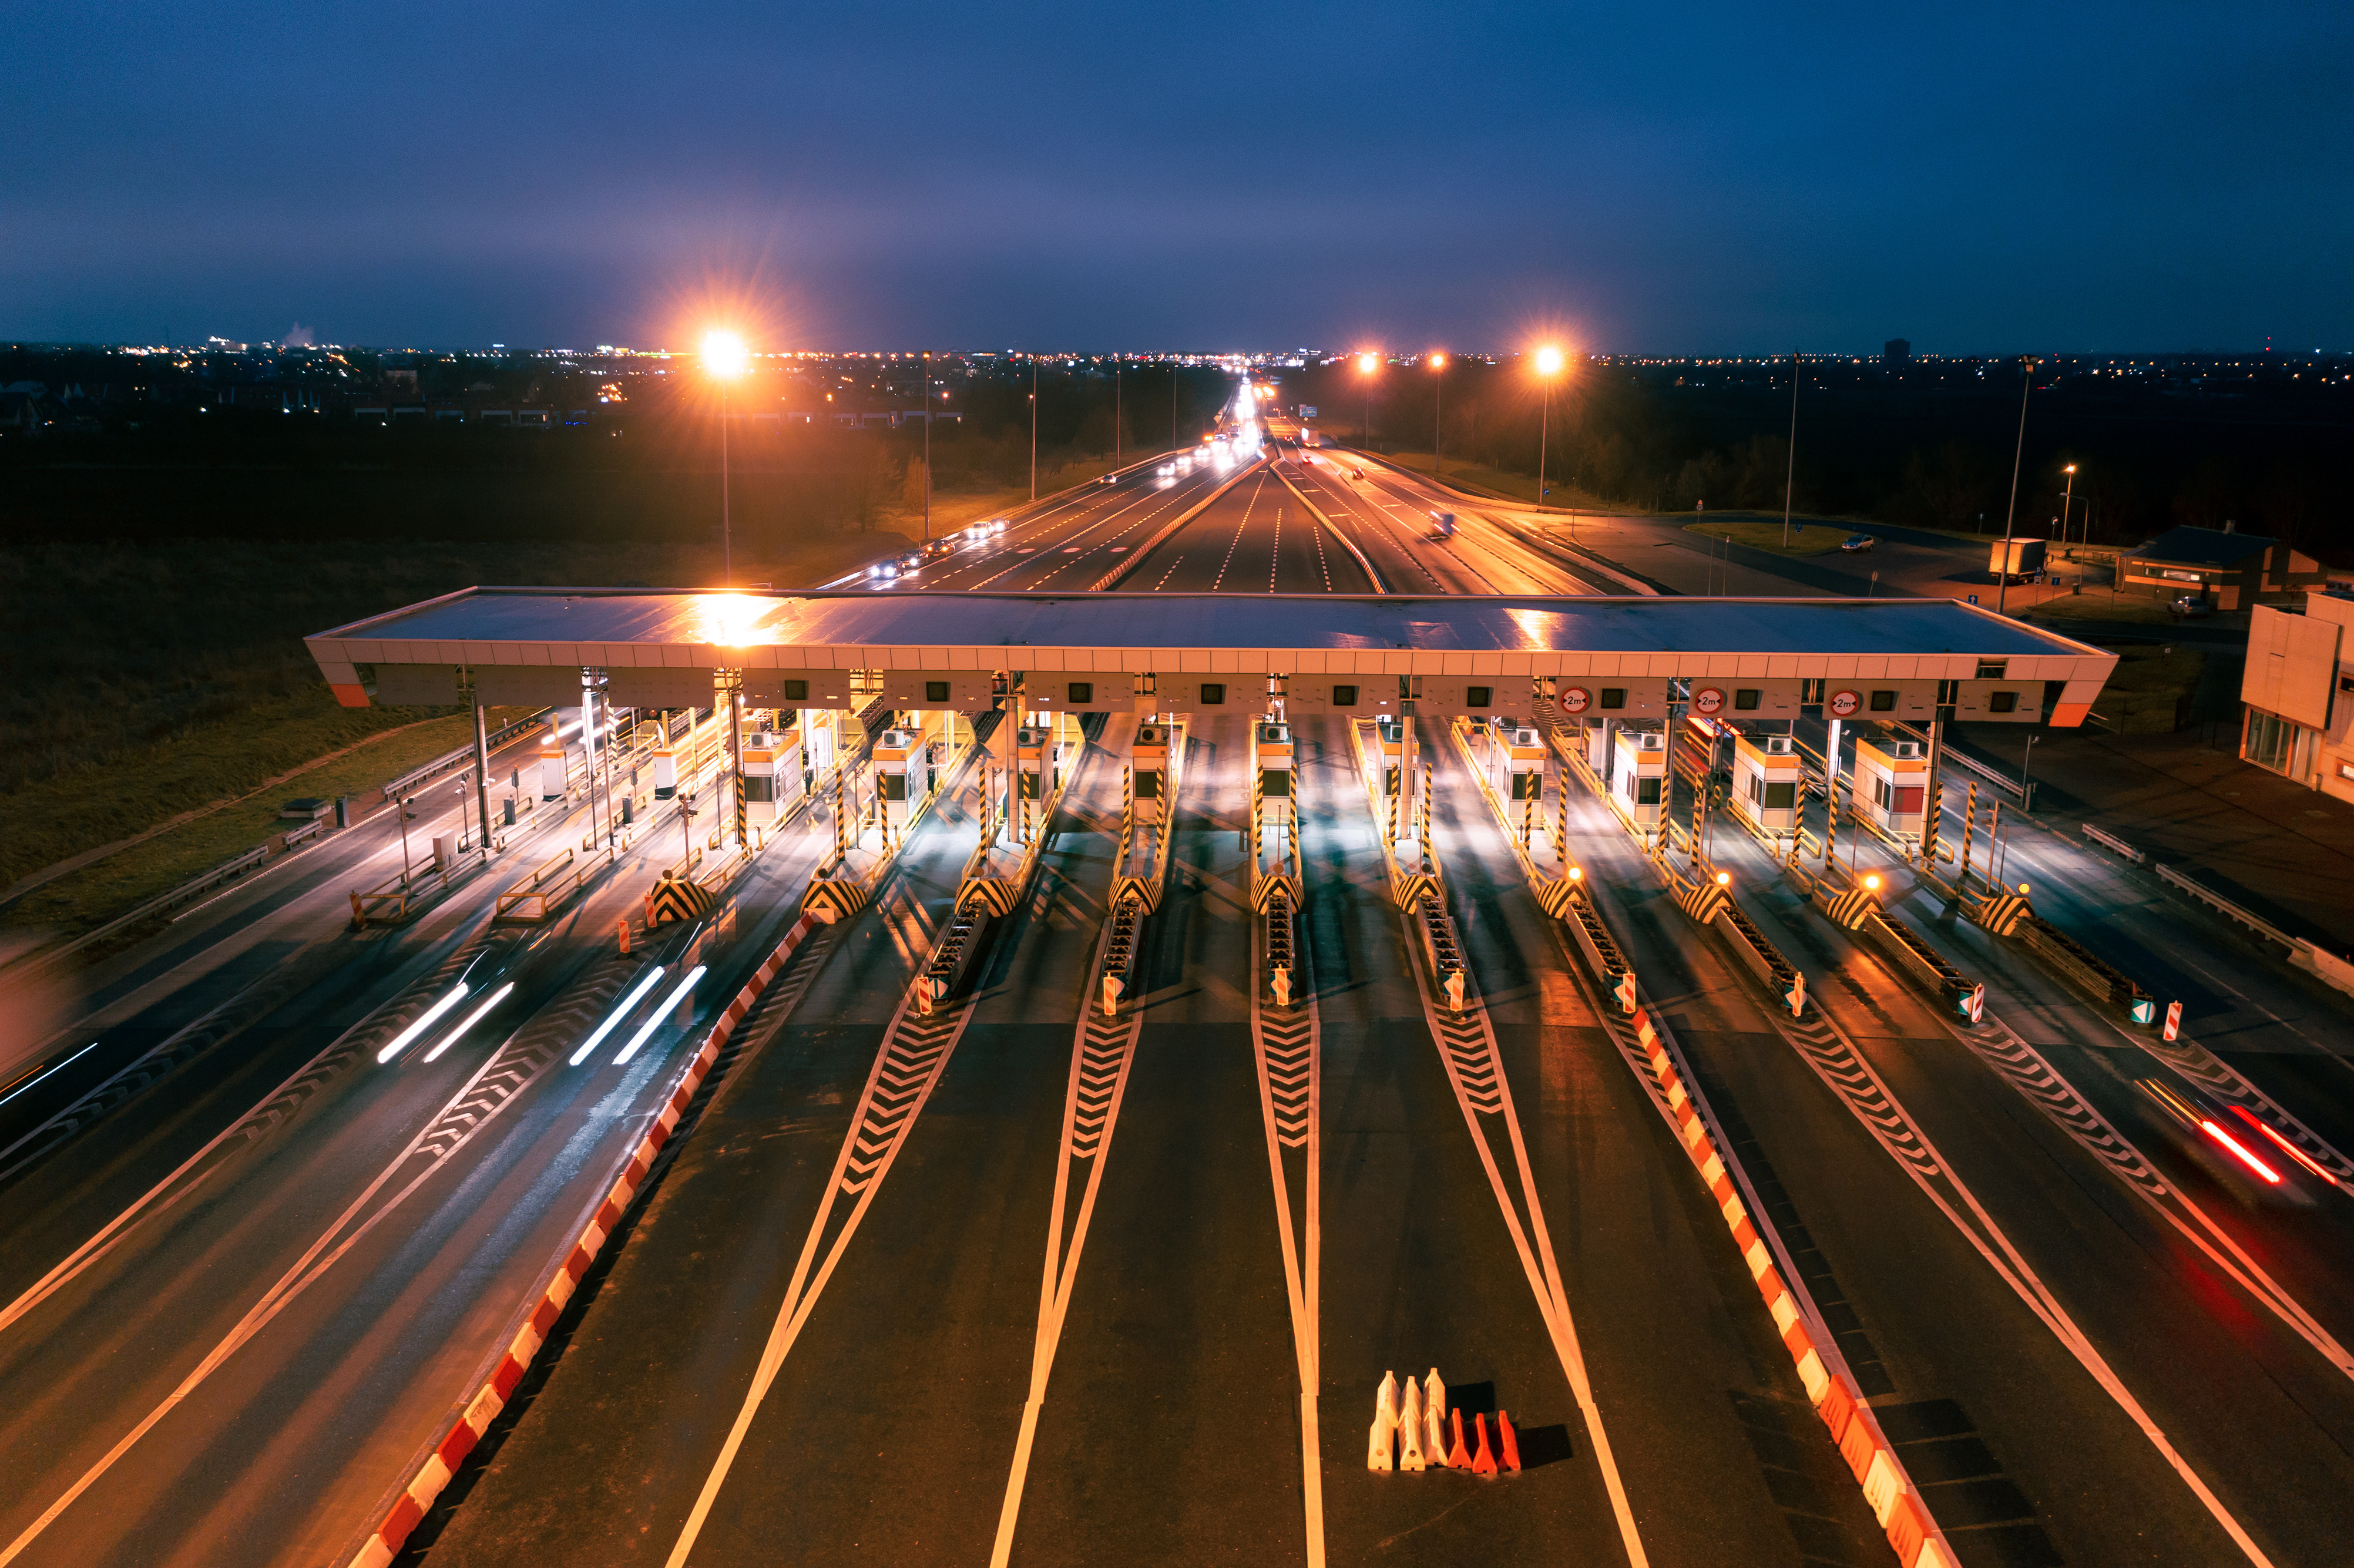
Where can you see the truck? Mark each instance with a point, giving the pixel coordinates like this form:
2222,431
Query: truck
2012,559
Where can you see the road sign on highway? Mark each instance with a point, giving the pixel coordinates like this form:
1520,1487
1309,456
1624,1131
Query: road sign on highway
1708,701
1974,1005
1573,699
1626,990
2173,1019
1844,704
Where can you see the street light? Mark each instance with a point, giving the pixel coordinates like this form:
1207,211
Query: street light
1549,363
1437,405
1366,365
725,358
2002,587
2067,496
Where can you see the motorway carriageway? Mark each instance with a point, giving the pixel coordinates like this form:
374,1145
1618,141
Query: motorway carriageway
1171,1422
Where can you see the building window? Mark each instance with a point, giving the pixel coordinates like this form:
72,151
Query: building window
796,691
1647,791
1082,693
1478,696
2268,741
1214,694
1344,696
1614,696
2002,703
1883,702
1781,797
936,691
1993,669
1880,793
1747,698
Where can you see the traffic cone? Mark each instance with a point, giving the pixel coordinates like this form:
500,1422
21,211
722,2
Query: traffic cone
1482,1463
1458,1457
1434,1417
1378,1445
1410,1453
1509,1441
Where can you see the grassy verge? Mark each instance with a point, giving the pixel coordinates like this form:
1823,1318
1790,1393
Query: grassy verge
1816,540
2100,605
959,507
1503,484
2150,691
88,897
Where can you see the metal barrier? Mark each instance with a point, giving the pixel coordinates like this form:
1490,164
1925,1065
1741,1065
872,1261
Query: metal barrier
2112,842
546,889
463,755
2224,905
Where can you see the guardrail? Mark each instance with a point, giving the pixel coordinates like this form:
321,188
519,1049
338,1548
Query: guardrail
2115,844
464,754
2224,905
545,888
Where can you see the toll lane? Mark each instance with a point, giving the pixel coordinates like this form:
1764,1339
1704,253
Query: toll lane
1255,538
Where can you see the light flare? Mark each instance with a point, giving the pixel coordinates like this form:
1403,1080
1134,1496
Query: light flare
637,992
472,1018
432,1016
645,1030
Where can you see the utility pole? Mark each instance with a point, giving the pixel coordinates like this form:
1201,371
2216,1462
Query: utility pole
1790,478
1172,405
1116,413
928,446
1034,427
2002,589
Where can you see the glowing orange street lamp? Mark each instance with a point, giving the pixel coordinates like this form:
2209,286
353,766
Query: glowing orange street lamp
1366,365
725,357
1548,363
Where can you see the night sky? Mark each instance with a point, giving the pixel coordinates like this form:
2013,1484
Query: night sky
1658,178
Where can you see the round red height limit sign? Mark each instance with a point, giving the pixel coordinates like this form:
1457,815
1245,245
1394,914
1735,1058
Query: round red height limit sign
1708,701
1574,699
1843,704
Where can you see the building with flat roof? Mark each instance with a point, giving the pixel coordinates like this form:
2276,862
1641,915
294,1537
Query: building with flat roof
2230,570
2296,694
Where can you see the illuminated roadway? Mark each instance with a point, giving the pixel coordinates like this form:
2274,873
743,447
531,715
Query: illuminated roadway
1170,1425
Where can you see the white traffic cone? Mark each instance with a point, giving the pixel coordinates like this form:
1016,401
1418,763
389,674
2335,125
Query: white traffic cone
1385,1434
1434,1417
1410,1454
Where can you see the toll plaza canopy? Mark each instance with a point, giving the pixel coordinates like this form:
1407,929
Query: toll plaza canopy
662,648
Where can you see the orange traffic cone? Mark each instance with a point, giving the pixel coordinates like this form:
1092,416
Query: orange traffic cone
1482,1463
1458,1457
1509,1441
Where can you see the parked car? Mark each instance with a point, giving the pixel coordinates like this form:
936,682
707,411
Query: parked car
2191,605
1858,542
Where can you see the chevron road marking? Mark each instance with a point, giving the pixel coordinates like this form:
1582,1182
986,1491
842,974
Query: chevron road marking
1288,1047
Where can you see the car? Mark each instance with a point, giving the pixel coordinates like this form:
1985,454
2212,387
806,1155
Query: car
939,548
2191,606
911,560
1858,542
1109,479
1356,473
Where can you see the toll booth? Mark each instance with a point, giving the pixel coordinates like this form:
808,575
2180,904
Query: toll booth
821,738
1522,755
768,782
1597,737
903,771
1271,753
1640,776
1765,782
1150,760
1033,761
665,772
793,777
1891,786
1391,737
551,769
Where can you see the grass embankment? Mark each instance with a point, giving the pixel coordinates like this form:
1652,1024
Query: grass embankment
1504,484
959,506
2150,691
1815,539
2099,604
155,680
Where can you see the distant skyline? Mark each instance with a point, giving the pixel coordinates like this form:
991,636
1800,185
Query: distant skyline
1694,179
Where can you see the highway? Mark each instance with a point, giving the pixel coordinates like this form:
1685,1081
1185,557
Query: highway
997,1276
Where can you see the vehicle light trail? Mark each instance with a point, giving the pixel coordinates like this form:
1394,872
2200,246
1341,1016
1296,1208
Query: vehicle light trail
645,1030
2291,1149
2270,1176
645,983
432,1015
472,1018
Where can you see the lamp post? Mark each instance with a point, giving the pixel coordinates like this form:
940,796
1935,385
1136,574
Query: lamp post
1437,408
1549,363
1116,413
1790,475
725,358
1034,427
2066,497
928,446
1366,364
2002,589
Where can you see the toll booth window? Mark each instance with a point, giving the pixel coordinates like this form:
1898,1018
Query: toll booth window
1082,693
1214,694
758,787
1647,791
1747,698
1478,696
1781,797
1344,696
796,691
1883,702
1614,696
1993,669
2002,703
936,691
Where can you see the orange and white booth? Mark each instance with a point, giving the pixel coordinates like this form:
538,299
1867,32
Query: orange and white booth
1766,781
1891,786
1640,776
